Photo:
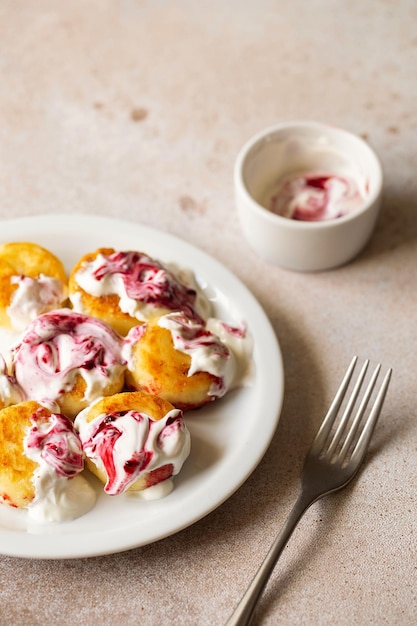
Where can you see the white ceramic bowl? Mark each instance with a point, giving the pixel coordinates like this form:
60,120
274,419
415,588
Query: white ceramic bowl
299,147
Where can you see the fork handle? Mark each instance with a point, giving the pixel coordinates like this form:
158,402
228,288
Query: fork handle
243,613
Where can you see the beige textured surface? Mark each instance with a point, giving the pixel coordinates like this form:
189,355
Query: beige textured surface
137,108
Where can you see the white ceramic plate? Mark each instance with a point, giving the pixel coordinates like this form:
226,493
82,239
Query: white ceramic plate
229,437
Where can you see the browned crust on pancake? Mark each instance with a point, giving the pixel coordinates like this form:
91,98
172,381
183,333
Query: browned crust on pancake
73,401
160,369
31,259
16,469
139,401
106,307
6,291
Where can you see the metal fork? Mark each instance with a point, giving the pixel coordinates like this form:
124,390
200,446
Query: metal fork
333,460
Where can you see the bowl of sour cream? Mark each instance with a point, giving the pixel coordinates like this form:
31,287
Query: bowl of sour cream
307,194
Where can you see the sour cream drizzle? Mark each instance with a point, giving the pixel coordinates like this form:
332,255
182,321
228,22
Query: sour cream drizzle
60,345
240,344
144,286
216,348
60,493
10,392
316,197
129,445
33,297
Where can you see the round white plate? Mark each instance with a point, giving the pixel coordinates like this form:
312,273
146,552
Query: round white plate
229,437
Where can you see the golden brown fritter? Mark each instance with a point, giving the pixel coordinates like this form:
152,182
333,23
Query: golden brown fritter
106,307
157,367
156,408
16,469
29,259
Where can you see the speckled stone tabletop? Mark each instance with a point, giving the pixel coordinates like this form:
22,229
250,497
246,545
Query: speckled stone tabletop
136,109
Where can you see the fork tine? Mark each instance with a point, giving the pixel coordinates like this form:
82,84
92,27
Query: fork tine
366,434
348,410
326,426
361,410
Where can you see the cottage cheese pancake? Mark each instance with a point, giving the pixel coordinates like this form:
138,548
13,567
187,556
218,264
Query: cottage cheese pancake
69,358
134,442
125,288
183,361
41,460
32,281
